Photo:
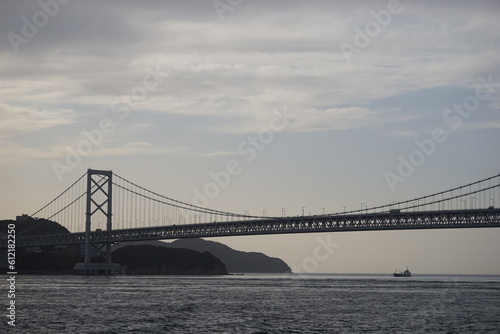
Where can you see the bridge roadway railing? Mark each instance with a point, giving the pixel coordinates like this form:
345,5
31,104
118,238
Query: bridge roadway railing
303,224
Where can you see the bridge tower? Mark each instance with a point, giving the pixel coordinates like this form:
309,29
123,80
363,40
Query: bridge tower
99,201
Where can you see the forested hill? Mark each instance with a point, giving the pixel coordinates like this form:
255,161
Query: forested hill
144,259
149,259
33,226
234,260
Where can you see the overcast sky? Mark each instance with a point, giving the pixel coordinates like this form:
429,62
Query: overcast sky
317,102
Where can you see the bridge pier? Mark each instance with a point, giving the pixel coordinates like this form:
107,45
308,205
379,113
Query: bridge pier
97,269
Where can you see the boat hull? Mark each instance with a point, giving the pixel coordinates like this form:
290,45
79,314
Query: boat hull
401,275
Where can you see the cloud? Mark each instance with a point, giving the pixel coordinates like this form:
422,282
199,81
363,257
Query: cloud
11,152
137,148
335,118
262,57
18,120
481,126
212,154
400,133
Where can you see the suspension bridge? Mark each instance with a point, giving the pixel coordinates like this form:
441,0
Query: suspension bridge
102,208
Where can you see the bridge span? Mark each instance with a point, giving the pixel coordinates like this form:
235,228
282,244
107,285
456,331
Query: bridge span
396,220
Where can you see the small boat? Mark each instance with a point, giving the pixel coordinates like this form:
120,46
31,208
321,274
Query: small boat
406,273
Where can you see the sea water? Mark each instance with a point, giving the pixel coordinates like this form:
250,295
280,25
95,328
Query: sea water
256,304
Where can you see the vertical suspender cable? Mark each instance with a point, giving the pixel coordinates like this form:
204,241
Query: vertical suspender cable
135,211
498,197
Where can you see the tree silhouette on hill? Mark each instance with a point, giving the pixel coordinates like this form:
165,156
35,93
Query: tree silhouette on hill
33,226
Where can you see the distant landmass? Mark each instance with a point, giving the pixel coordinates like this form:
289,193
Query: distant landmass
235,261
155,260
33,226
61,259
40,260
145,259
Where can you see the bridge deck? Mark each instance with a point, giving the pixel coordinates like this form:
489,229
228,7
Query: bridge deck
305,224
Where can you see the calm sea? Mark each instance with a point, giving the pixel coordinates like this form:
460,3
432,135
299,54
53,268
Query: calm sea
257,304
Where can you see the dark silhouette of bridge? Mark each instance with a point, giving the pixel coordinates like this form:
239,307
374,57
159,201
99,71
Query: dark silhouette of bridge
102,208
